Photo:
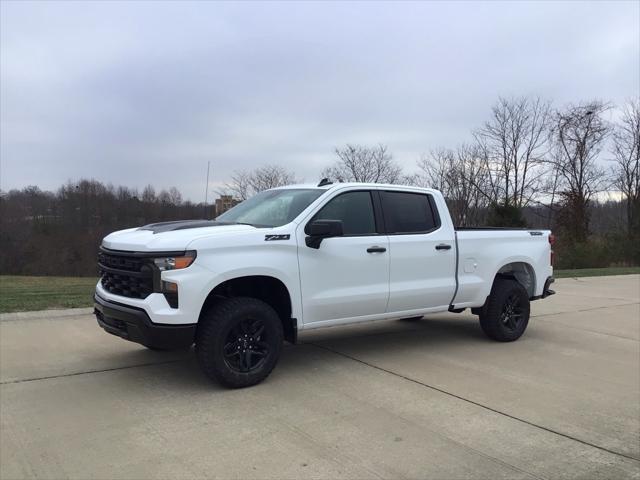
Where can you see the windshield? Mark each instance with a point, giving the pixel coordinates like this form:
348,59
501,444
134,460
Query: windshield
271,208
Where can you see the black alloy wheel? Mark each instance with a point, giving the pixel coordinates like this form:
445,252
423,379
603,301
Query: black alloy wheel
246,348
513,312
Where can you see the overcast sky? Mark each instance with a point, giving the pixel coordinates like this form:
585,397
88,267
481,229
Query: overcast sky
137,93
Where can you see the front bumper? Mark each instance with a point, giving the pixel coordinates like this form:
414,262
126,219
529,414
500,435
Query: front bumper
133,324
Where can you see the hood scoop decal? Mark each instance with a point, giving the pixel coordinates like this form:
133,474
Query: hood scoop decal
180,225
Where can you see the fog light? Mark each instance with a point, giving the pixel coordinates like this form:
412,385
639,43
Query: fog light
170,292
169,287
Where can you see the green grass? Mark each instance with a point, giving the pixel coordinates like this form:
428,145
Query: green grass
595,272
20,294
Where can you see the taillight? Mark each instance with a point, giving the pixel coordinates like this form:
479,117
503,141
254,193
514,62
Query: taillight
552,241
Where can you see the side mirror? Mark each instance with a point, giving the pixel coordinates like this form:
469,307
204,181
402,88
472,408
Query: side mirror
318,230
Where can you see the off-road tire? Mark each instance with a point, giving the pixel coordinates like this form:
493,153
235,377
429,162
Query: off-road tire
219,323
497,317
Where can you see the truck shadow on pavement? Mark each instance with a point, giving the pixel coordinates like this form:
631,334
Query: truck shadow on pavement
435,333
441,329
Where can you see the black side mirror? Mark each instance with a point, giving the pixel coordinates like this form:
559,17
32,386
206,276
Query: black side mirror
318,230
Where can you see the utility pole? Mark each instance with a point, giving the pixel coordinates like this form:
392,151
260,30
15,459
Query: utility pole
206,191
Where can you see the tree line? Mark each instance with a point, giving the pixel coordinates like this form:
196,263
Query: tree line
58,233
529,164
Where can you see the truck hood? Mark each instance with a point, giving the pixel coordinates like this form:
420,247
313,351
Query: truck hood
169,236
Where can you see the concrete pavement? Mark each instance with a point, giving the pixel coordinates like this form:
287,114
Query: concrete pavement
426,399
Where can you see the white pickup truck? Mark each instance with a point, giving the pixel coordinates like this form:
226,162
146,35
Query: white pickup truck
310,256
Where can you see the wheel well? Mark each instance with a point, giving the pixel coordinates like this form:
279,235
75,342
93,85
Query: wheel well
268,289
522,272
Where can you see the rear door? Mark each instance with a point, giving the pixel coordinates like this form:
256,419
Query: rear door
422,252
348,276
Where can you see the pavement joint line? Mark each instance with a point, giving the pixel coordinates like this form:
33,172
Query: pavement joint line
591,296
75,374
100,370
7,382
45,314
585,309
560,324
486,407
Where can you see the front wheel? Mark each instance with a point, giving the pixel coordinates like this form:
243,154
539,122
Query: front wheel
506,315
238,341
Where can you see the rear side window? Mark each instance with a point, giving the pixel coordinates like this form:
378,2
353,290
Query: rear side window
354,209
406,212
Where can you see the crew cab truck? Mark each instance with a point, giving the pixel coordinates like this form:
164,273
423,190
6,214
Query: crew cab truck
311,256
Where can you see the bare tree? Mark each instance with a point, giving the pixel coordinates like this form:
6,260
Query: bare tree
240,186
164,198
270,176
515,141
461,176
247,183
626,155
358,163
175,197
579,133
149,194
436,169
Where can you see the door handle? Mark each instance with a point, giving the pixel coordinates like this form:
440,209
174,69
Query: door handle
376,249
443,246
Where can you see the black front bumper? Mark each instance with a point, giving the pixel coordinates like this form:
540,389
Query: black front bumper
134,324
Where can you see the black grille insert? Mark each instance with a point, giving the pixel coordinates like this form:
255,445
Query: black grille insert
125,274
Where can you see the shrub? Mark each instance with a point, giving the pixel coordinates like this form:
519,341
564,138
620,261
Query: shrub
598,252
505,216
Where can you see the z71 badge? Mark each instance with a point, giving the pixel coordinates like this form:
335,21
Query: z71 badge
269,238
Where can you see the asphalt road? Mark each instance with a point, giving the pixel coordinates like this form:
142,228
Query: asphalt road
426,399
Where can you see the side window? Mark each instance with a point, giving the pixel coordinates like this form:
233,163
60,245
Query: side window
355,209
406,212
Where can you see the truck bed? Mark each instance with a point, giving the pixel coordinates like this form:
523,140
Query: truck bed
481,254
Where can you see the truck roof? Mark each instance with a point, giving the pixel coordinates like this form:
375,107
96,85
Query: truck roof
352,184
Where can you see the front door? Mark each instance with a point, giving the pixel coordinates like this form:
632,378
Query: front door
348,276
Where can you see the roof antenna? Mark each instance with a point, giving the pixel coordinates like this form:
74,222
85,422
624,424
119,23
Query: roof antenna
324,182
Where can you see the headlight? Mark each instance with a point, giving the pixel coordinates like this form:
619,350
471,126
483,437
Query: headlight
175,263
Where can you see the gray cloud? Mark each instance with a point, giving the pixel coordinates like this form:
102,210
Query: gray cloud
136,93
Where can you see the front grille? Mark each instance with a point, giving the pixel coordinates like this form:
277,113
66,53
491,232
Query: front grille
125,275
132,264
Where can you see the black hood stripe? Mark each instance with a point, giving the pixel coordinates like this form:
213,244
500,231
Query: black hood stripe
162,227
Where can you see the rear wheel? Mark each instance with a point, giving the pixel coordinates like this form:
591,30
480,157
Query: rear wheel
238,342
506,315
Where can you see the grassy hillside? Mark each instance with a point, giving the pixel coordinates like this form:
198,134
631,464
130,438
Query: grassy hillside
19,293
